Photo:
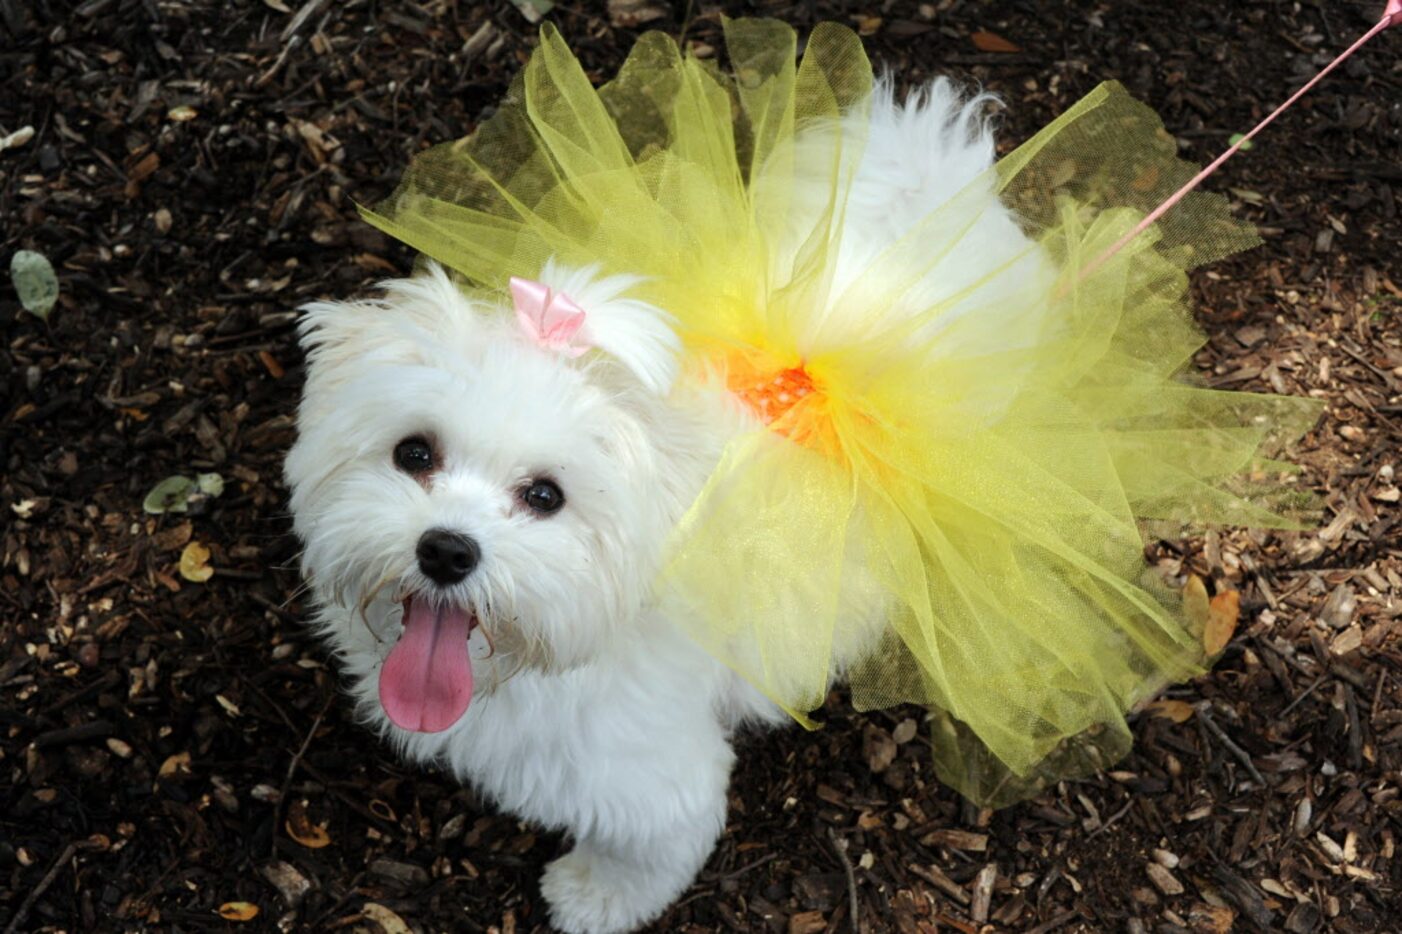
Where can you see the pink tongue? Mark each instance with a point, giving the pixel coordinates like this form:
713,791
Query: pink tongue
426,683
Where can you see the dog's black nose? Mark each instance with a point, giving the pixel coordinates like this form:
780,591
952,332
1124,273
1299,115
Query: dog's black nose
447,557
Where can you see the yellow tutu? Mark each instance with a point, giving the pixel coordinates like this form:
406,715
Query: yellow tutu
980,491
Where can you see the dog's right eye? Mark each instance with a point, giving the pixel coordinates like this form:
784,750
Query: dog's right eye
413,456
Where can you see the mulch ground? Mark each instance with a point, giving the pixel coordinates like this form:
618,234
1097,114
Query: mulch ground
169,747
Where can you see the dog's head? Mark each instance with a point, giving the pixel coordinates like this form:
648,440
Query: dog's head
457,481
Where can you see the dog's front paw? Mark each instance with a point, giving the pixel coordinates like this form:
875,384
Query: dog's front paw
590,893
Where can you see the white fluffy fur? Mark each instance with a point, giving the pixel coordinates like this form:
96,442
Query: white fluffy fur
595,714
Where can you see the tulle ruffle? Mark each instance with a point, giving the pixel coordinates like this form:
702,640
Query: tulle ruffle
970,461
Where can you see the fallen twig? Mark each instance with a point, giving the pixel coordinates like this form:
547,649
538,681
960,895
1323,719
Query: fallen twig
754,864
292,769
1355,730
38,890
852,907
109,679
1241,755
1054,923
292,43
96,729
936,877
299,19
1105,825
1306,693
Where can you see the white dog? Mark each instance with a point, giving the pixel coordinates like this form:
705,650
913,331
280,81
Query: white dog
484,520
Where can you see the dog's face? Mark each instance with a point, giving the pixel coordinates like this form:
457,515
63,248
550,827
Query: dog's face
453,483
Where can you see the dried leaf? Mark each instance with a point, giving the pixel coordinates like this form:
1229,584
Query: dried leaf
1176,710
867,25
1223,612
175,767
300,827
1196,605
35,282
986,41
238,911
1146,180
1212,919
194,563
144,167
270,364
172,538
181,114
391,922
376,263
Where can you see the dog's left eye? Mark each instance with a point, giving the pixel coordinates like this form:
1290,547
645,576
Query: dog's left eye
543,497
413,456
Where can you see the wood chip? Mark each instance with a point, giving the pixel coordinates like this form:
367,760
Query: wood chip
807,922
936,877
878,748
957,840
1350,640
1339,608
983,893
1163,880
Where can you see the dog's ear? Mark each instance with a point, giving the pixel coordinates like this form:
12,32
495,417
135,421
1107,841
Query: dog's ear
634,333
420,318
424,314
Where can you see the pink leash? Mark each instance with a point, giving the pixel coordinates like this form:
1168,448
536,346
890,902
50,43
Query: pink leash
1392,16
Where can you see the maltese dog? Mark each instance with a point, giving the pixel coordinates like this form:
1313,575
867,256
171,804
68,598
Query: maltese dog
485,510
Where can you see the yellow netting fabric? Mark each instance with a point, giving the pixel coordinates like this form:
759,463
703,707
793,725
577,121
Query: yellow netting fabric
970,470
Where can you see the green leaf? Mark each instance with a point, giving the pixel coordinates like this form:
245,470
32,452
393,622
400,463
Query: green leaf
210,484
35,282
1237,138
170,495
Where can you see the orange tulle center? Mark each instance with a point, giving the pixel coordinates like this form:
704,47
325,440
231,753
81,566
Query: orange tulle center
784,396
770,394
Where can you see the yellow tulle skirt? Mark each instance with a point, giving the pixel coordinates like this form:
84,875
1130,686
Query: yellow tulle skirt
973,472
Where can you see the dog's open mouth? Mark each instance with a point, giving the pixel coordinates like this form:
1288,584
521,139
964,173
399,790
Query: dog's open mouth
426,683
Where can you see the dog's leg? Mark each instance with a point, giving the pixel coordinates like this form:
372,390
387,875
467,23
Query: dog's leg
649,838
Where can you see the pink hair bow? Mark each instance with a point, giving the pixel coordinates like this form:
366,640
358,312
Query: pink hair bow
549,318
